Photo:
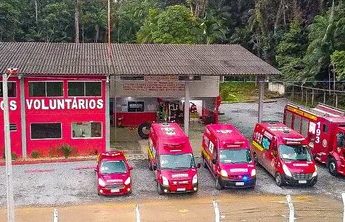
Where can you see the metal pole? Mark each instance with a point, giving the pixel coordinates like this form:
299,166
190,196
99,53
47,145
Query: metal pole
343,197
291,209
312,97
8,156
324,97
23,116
336,100
186,108
216,211
261,97
107,115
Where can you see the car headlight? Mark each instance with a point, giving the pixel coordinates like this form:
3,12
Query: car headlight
195,179
101,182
165,181
253,173
223,173
315,172
286,171
128,181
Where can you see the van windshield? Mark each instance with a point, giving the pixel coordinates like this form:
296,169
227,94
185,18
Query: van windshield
299,153
235,156
180,161
109,167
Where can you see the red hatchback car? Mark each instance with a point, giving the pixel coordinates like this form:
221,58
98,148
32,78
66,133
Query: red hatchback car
113,174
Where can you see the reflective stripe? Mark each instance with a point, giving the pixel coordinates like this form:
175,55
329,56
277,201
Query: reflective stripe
257,146
205,154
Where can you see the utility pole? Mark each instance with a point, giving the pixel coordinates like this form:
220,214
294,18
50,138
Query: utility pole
8,156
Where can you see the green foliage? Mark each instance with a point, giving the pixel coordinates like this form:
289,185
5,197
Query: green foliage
214,28
9,20
338,61
35,154
66,150
176,25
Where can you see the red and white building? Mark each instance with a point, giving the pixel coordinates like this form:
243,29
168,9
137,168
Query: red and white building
69,94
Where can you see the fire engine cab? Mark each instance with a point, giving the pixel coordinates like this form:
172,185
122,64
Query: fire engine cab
284,154
226,153
324,128
170,155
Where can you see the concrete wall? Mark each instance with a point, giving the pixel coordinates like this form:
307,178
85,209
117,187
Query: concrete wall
164,86
276,87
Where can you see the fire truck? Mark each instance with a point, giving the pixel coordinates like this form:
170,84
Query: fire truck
324,128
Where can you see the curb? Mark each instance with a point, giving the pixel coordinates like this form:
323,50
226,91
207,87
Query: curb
52,160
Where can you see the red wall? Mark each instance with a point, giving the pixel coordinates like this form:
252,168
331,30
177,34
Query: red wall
65,117
16,144
134,119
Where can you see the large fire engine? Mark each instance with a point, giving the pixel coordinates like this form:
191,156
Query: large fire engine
324,128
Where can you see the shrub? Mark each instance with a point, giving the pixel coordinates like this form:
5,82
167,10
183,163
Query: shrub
35,154
14,156
66,150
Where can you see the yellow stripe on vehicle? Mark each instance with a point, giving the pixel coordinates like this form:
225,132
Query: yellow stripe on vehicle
257,146
205,154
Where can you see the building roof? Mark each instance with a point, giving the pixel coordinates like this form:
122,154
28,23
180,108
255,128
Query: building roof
36,58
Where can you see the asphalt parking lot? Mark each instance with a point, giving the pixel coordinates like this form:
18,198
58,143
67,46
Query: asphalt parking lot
58,184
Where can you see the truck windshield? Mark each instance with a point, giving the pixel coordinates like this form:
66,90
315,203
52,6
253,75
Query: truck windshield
180,161
298,152
109,167
235,156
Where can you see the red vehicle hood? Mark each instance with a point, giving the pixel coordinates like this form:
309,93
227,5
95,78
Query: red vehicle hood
236,169
182,174
300,166
114,178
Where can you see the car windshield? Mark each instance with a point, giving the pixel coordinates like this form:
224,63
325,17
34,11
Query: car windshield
180,161
109,167
298,152
235,156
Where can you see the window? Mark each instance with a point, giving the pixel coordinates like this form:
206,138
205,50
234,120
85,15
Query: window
304,128
136,107
84,89
45,89
325,128
11,89
45,130
297,123
87,130
288,119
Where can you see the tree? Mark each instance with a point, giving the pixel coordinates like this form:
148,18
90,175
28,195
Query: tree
214,28
9,20
176,25
338,62
290,51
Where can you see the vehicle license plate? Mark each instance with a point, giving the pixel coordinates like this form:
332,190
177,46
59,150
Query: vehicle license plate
115,190
181,189
302,181
239,183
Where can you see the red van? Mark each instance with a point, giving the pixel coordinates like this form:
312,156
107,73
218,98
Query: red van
284,154
226,153
170,155
113,174
324,128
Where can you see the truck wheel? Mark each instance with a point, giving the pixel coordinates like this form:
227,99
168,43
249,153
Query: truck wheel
204,164
144,130
279,180
218,185
332,167
159,189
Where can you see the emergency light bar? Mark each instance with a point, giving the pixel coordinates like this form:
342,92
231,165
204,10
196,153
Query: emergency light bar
293,140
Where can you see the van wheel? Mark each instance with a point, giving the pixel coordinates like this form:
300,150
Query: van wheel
218,185
204,164
159,189
144,130
332,167
150,165
279,180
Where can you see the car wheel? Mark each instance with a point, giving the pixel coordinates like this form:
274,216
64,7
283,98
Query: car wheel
144,130
159,189
332,167
218,185
279,180
313,183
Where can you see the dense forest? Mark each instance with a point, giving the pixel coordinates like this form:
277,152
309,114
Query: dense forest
305,39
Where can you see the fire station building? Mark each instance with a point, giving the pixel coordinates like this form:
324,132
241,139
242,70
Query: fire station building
71,94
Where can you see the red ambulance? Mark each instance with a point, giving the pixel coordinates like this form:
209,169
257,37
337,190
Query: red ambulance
324,128
113,174
226,153
170,155
284,154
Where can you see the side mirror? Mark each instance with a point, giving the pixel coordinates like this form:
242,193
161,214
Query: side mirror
130,168
214,161
198,165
